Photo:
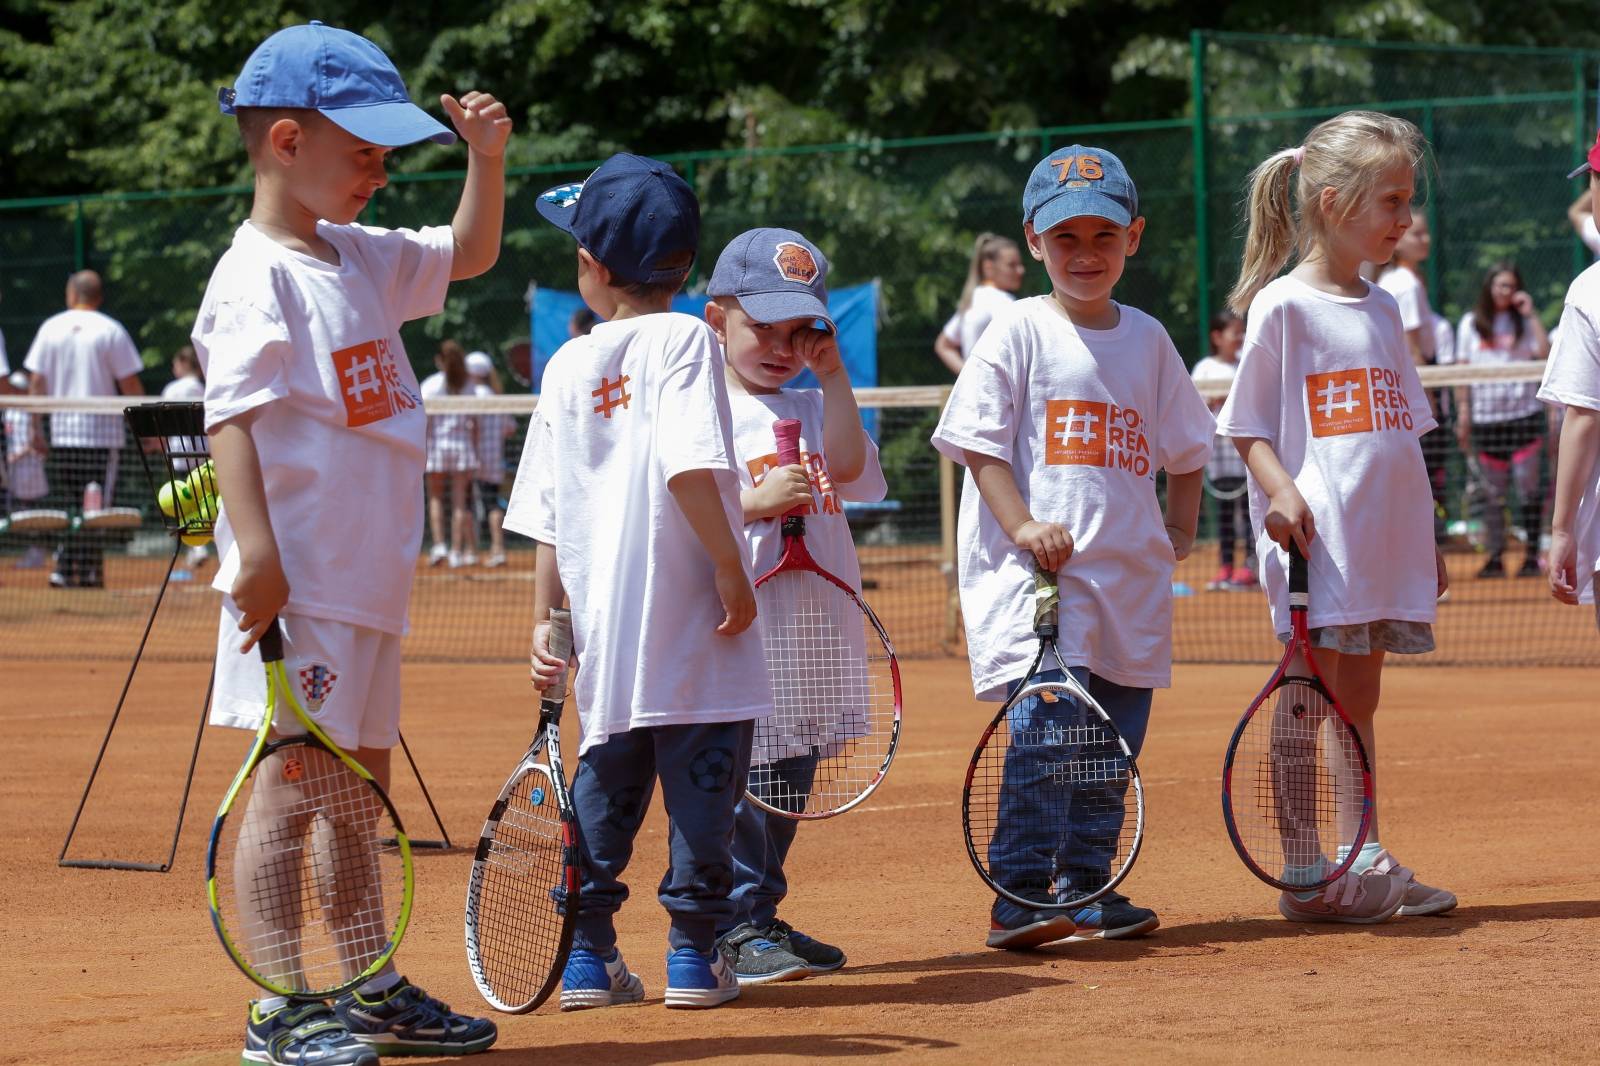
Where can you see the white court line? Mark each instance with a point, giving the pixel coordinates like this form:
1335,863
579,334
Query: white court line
912,806
51,715
927,754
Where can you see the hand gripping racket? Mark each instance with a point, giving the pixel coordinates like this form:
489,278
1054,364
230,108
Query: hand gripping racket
308,871
522,894
1053,808
1296,784
835,724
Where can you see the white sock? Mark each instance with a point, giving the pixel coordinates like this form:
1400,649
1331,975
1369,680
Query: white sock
387,978
269,1004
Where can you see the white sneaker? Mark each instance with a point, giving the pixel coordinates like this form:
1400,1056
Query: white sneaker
1419,898
437,555
1362,899
469,559
497,559
455,560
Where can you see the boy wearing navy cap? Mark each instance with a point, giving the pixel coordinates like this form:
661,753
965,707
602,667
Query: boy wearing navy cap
769,296
629,485
1063,415
314,416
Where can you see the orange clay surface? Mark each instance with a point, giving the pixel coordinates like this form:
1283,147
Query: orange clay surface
1489,784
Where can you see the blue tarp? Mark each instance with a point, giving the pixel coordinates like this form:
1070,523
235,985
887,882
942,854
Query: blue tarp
854,310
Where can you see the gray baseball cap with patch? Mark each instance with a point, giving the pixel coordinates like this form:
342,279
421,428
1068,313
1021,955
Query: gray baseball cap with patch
776,275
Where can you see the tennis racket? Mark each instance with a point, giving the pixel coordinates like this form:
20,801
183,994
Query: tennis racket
308,871
835,724
1296,784
1053,807
522,894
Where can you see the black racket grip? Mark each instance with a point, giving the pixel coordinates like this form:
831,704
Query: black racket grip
1299,576
559,641
1046,604
271,643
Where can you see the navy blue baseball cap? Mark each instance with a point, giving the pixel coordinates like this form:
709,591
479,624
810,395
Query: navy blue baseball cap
776,274
634,214
339,74
1076,181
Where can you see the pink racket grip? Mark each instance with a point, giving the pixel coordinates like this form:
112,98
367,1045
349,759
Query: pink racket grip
787,433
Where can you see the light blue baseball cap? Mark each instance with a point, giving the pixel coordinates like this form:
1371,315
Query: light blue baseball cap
1076,181
776,275
340,74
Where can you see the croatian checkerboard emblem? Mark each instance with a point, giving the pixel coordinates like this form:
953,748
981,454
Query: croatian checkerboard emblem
316,684
795,262
564,195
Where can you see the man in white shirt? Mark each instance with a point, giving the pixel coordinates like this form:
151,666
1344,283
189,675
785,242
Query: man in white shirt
82,352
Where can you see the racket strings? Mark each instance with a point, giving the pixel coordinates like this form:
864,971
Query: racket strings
1053,812
1305,802
834,697
515,923
310,874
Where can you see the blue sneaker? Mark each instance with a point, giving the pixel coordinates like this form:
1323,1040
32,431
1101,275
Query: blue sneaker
302,1034
1112,917
405,1020
698,981
1027,929
590,980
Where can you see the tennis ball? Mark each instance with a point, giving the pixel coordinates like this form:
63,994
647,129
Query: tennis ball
195,535
177,496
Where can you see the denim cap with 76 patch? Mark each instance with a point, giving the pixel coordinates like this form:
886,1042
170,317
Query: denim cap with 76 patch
634,214
775,274
342,76
1076,181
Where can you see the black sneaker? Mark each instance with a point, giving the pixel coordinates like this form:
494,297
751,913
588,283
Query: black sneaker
1113,917
1530,568
405,1020
302,1034
1493,568
756,960
818,957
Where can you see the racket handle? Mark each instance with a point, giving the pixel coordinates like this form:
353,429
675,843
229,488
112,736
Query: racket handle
559,641
271,643
1046,603
786,431
1299,577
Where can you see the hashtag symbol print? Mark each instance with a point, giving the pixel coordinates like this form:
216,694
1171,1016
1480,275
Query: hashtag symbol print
363,377
1340,396
612,395
1077,425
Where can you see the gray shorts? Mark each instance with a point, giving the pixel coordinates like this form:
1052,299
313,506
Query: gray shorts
1364,638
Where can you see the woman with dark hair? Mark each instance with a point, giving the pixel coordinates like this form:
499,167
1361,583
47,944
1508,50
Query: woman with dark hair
1503,426
993,275
1225,473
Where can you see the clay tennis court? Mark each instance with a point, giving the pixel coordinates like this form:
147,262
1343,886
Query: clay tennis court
1489,784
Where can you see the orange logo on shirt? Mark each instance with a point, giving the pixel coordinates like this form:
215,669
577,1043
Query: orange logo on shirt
1095,433
816,471
1361,400
370,383
612,395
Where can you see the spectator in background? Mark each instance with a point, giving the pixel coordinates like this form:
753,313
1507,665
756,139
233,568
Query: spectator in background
1503,422
581,322
188,385
493,429
78,353
1402,278
452,459
1581,215
1225,471
993,275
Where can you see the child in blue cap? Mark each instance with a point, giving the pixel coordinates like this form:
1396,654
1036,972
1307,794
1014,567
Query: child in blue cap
1066,409
629,485
317,430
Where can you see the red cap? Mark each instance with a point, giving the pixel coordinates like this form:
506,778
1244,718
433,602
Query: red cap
1592,162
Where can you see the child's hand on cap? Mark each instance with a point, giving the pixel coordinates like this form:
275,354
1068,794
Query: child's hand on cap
481,120
818,349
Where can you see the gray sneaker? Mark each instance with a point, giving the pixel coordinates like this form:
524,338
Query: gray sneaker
756,960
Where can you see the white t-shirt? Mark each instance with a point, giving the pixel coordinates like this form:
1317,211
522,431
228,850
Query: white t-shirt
1572,378
492,433
190,390
1085,418
83,353
1225,460
830,543
1498,401
1412,300
184,389
5,366
965,327
621,412
1591,234
452,438
317,348
1328,381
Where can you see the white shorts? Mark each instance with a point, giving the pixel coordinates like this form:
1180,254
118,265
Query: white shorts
346,677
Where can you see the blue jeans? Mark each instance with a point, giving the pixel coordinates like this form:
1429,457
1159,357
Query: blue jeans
761,842
1026,854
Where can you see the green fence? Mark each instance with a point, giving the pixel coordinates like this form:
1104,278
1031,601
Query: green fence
1505,125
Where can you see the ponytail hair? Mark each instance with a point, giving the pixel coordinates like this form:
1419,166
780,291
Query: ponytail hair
1347,153
453,361
986,248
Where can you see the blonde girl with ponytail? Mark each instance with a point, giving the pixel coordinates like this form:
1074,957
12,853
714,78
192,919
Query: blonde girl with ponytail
1327,411
993,277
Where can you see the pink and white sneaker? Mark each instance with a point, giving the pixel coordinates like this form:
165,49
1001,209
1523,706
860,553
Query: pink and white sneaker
1419,898
1366,898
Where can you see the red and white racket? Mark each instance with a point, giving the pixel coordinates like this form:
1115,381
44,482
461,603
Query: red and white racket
835,681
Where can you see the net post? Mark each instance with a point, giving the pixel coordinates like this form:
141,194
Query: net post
1201,117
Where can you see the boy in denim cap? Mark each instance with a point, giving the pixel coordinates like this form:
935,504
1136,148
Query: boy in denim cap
628,484
313,413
